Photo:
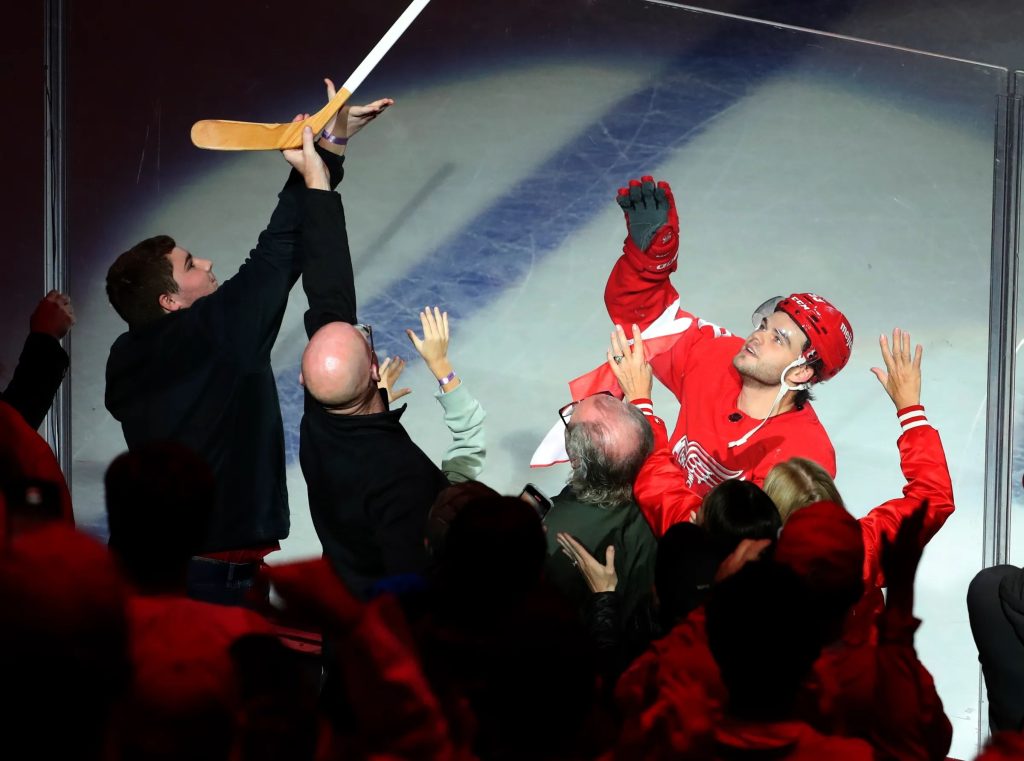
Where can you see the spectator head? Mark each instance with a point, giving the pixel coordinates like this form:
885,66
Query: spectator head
159,500
607,441
339,367
762,674
823,545
684,570
154,277
449,503
737,510
493,554
31,480
65,656
799,482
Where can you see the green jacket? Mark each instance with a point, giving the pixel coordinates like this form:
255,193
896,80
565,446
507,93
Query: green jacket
465,420
596,528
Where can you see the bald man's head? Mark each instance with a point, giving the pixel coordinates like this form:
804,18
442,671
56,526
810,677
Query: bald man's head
338,368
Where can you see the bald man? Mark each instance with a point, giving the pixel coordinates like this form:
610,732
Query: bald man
607,441
370,487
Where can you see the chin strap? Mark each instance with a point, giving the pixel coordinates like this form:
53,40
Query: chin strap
783,388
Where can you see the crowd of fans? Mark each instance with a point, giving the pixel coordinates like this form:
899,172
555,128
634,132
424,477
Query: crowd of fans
740,619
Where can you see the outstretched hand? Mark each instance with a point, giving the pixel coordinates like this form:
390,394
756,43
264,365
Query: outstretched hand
350,119
651,216
433,347
630,366
901,378
599,578
306,160
390,370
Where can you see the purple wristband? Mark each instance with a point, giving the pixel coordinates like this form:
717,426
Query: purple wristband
325,135
442,382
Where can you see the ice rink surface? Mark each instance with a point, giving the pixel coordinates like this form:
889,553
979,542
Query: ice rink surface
798,162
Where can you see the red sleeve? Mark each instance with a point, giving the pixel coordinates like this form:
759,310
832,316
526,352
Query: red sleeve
396,711
31,456
660,487
924,466
636,294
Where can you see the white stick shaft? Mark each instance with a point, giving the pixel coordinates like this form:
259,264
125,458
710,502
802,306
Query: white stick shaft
381,48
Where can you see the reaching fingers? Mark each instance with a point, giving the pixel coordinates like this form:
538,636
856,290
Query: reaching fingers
414,339
437,322
638,341
331,91
887,357
609,558
882,376
918,353
619,346
307,142
427,321
566,543
444,325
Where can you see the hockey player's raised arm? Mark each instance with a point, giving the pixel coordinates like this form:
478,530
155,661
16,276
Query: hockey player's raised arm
638,289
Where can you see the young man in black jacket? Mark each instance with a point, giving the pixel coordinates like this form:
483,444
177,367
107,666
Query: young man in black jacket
194,367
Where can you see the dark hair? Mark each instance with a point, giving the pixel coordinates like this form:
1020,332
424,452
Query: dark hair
804,395
762,674
684,570
598,477
737,510
449,503
159,499
138,277
493,555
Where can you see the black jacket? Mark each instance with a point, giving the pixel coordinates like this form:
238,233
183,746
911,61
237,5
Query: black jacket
41,368
202,376
370,487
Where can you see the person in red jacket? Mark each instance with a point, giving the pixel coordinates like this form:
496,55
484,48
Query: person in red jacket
798,482
744,403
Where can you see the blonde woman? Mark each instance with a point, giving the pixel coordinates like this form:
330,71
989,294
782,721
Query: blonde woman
797,482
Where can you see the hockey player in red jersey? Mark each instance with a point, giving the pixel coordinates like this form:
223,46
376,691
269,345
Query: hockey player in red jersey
743,402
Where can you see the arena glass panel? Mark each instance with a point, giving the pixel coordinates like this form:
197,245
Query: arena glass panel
799,162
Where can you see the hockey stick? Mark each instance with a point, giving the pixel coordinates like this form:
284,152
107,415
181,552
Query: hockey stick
224,135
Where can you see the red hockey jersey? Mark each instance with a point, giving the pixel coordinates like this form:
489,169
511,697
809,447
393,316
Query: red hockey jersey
693,358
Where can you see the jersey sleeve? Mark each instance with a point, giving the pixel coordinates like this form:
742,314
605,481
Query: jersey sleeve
635,294
923,461
660,487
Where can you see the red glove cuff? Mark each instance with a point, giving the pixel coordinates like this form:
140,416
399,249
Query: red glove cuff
660,259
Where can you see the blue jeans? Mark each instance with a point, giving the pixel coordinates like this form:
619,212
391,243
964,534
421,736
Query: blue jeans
225,583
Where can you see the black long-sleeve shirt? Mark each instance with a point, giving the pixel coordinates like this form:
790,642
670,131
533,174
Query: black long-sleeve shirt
202,376
41,368
370,486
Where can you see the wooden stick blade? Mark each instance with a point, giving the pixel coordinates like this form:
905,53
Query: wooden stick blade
225,135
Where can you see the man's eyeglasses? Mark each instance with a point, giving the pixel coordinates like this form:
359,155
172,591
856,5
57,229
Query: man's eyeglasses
367,331
566,412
